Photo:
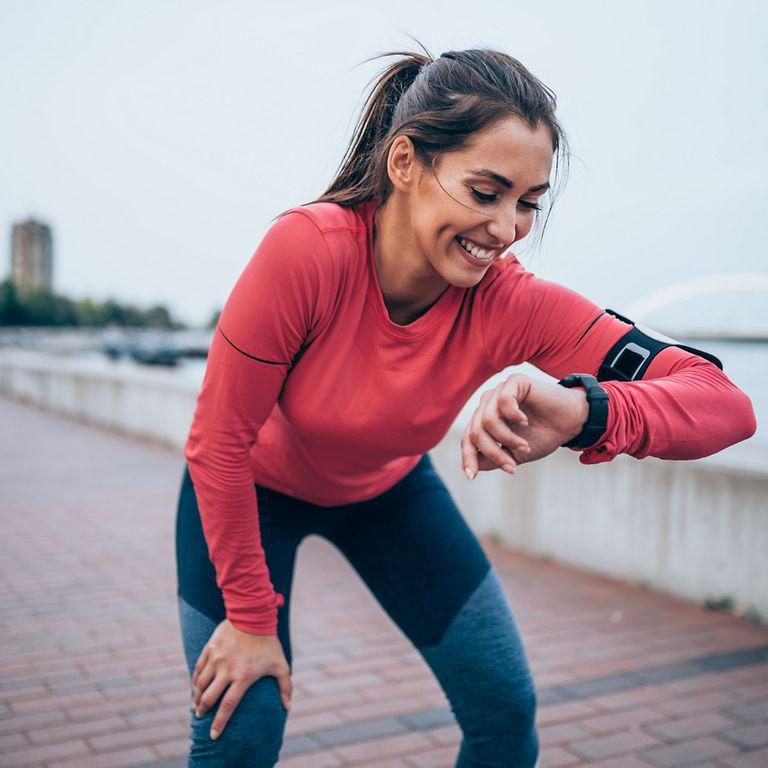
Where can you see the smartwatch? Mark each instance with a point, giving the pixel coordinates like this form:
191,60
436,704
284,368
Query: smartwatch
597,420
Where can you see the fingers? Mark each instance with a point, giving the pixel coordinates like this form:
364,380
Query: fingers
227,707
211,694
286,686
234,694
204,678
499,431
201,662
496,453
484,436
509,407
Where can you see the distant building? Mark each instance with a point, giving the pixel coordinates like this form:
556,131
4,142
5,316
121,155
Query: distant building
32,255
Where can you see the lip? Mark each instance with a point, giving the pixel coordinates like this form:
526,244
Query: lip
482,245
470,259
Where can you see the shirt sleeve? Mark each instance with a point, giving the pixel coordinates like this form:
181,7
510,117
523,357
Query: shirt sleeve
271,312
684,407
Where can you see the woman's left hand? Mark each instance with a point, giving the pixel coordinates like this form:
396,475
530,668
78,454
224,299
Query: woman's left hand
521,420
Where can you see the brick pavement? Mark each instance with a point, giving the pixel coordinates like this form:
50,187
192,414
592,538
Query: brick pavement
92,672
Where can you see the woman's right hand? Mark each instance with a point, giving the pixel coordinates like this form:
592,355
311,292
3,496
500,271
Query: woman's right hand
236,659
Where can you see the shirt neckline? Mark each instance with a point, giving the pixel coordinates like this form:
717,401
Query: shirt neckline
422,324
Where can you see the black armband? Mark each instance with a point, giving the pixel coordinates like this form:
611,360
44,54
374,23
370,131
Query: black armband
628,359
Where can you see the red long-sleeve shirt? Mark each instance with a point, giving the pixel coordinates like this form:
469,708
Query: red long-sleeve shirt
312,390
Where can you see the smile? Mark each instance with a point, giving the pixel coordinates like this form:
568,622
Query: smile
473,254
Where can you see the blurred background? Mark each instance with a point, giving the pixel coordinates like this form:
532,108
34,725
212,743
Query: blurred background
146,146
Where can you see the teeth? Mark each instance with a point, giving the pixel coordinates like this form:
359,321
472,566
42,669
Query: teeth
476,251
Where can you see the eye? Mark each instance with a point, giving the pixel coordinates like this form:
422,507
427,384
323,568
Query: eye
485,198
482,197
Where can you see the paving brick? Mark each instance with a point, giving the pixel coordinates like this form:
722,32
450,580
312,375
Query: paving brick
13,741
356,732
561,733
689,727
34,756
172,748
312,722
625,761
391,746
308,705
429,718
119,759
136,736
375,709
748,737
614,702
692,704
19,723
83,729
749,712
447,735
315,760
625,719
688,752
615,744
758,759
444,757
567,711
555,757
336,685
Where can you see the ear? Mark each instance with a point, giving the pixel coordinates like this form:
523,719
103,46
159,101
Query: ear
403,168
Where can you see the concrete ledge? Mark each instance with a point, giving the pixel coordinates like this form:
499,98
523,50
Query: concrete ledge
151,404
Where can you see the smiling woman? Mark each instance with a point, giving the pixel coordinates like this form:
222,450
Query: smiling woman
355,335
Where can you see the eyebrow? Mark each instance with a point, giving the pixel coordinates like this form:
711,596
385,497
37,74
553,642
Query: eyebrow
504,181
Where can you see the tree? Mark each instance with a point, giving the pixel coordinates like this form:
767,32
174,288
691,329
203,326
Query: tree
11,309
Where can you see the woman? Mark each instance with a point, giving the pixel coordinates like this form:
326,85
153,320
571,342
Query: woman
354,336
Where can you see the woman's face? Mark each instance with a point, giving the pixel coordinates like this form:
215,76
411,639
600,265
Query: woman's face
454,200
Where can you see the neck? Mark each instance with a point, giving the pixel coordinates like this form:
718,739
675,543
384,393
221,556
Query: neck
409,283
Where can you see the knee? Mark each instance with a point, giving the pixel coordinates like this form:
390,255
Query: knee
501,731
252,737
512,716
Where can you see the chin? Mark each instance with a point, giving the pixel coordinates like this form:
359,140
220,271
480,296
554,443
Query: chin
463,278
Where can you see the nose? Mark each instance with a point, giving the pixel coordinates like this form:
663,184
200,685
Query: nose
502,228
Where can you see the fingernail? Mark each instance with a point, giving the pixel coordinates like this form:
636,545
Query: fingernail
468,473
509,468
527,448
214,733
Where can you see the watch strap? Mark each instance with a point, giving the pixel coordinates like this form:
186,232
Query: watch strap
597,419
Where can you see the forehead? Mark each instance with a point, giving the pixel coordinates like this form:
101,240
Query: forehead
509,147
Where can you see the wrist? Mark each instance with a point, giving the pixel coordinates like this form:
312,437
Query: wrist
580,412
595,424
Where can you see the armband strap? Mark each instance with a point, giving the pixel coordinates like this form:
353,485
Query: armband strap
628,359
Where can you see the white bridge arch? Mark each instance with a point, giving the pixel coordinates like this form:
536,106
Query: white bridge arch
708,285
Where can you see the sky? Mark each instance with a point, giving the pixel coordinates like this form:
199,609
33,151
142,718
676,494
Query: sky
158,138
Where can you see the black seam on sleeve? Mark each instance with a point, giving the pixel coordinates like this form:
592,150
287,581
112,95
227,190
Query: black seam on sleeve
261,360
588,327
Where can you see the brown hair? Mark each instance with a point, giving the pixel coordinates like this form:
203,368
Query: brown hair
439,103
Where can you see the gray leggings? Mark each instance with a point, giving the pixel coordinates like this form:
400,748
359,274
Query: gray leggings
415,552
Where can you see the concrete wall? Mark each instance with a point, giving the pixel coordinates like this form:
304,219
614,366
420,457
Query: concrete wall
698,529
